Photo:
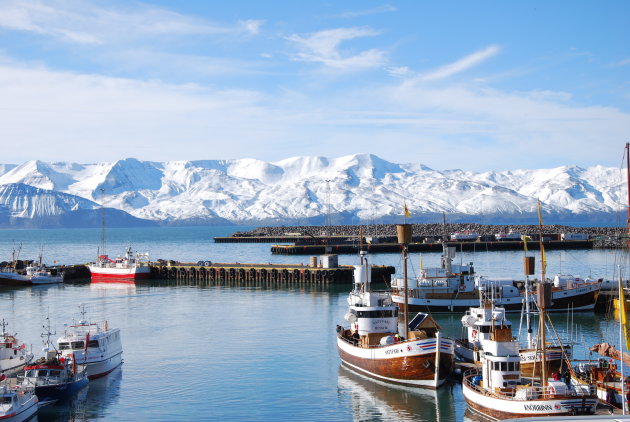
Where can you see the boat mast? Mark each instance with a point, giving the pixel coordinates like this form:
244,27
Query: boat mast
628,186
102,224
544,297
404,237
622,338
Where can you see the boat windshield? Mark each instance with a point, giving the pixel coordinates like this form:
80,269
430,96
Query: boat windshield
5,400
64,346
78,344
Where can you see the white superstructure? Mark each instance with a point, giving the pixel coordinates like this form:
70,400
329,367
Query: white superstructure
94,345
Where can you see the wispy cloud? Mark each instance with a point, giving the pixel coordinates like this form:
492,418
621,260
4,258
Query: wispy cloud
159,121
386,8
84,22
462,64
323,47
625,62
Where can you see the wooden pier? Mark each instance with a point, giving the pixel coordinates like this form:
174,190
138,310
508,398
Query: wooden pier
281,273
428,247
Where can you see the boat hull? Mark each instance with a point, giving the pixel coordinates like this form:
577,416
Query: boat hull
500,408
103,367
51,393
578,299
13,279
119,274
410,363
26,411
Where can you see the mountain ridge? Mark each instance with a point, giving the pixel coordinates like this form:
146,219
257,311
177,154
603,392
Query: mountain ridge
306,189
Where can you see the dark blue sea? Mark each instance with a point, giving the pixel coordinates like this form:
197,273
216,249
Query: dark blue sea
224,352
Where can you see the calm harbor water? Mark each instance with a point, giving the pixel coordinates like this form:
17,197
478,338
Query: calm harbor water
242,352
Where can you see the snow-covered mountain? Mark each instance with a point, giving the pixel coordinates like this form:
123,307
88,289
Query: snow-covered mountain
349,189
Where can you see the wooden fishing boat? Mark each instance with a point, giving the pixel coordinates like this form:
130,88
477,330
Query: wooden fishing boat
418,355
456,288
499,391
478,323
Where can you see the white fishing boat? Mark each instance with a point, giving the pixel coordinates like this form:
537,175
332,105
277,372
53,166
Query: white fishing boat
456,288
129,267
17,403
13,354
478,323
95,346
417,355
41,274
498,390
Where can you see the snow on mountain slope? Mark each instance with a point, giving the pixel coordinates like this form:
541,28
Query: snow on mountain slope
360,186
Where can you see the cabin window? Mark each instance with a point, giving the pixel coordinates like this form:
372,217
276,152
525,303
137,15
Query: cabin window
511,366
55,372
30,373
504,366
485,329
93,343
377,314
6,400
42,373
78,344
64,346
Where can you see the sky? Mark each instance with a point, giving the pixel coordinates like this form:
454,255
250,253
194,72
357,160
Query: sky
490,85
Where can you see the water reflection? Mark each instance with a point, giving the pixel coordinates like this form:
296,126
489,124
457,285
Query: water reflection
93,402
372,400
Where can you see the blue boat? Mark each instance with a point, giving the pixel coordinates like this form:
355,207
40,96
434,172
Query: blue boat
55,377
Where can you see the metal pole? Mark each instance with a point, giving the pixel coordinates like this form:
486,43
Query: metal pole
406,310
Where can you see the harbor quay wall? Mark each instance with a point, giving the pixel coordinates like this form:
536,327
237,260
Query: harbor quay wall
477,246
237,272
267,273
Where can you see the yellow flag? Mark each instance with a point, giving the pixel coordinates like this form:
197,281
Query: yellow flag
539,214
623,317
543,257
407,215
525,242
420,262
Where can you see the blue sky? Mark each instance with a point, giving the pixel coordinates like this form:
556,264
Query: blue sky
487,85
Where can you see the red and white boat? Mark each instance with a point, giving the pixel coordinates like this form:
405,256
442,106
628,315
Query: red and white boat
95,346
123,268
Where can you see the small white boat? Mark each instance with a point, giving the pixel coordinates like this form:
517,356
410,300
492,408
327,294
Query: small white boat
95,346
13,355
18,403
43,275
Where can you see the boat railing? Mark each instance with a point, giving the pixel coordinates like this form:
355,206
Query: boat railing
25,381
472,379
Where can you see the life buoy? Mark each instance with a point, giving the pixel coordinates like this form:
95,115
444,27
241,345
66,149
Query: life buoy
474,333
